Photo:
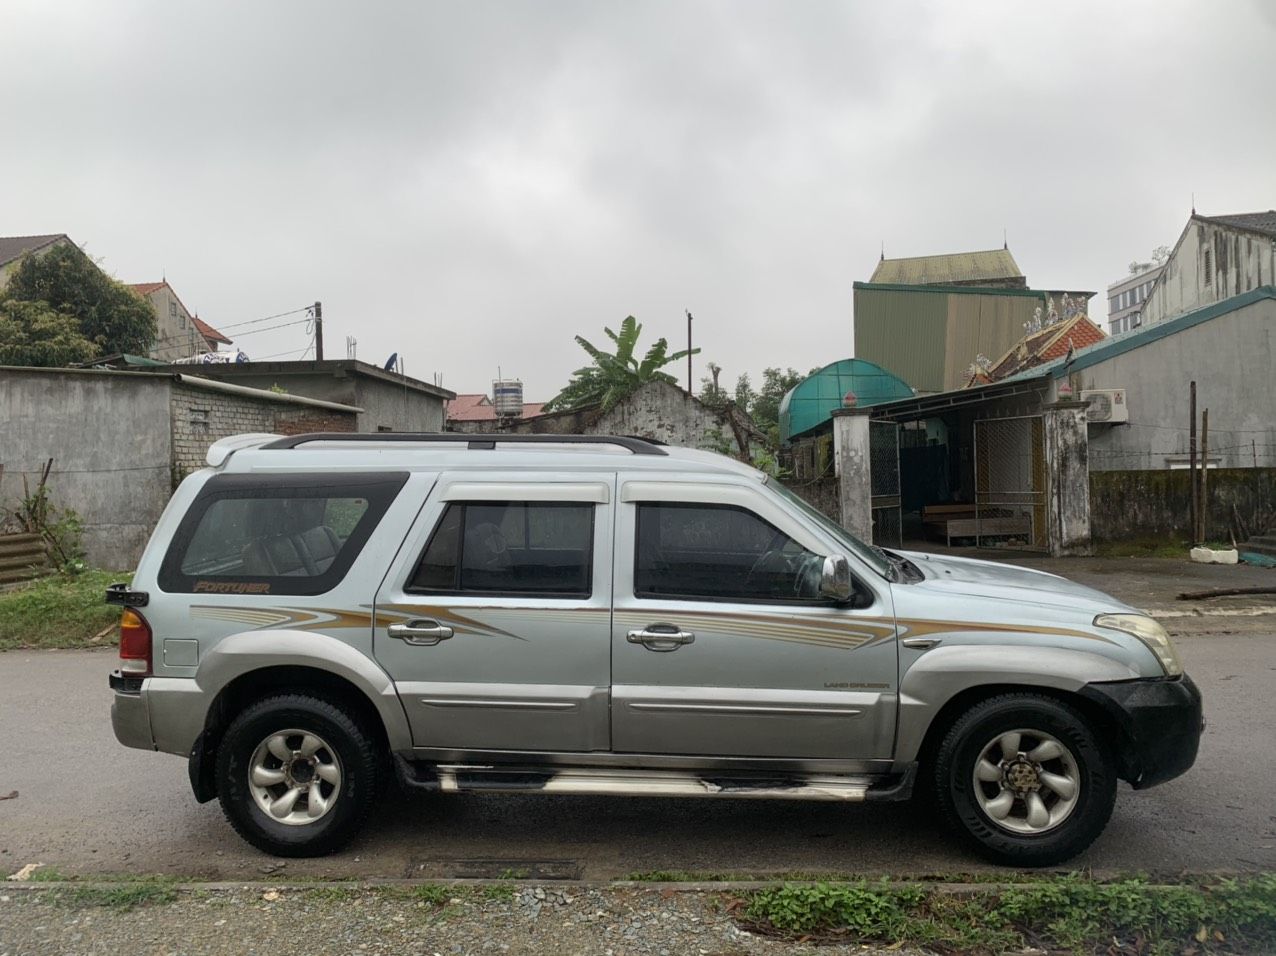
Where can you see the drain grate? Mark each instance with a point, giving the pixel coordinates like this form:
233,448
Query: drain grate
489,869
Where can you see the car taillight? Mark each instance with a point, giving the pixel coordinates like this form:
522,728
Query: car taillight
135,644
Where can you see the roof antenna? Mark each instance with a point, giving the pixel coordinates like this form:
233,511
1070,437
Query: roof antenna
883,250
1193,204
1005,242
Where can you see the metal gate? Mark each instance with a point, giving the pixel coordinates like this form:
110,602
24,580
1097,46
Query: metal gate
1010,481
883,447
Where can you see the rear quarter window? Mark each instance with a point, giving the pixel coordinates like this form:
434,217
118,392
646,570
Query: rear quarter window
271,534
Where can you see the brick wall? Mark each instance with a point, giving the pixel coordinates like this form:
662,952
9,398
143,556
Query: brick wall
202,416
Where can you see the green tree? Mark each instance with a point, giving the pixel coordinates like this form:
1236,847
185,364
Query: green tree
109,313
31,333
616,375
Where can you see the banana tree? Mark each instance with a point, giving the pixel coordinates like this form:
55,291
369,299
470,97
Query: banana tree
616,375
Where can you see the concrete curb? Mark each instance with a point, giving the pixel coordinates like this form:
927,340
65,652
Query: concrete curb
571,886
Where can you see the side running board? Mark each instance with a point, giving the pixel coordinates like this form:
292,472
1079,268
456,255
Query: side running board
459,778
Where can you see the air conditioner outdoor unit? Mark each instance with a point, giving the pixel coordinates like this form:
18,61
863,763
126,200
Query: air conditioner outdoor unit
1107,405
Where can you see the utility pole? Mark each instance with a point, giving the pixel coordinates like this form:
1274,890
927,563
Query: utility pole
690,390
318,312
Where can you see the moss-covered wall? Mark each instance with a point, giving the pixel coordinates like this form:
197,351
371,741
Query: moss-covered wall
1128,505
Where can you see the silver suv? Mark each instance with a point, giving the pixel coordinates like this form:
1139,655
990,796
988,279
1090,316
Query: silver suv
611,616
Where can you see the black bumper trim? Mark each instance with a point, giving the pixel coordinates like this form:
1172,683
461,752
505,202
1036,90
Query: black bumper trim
1160,722
124,684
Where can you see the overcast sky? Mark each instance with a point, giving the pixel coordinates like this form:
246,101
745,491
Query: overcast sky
473,183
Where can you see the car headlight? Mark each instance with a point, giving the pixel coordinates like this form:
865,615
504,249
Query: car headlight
1150,633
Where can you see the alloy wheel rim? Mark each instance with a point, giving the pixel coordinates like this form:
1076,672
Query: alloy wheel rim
1026,781
295,777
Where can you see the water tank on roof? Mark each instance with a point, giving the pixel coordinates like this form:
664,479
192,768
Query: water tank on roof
811,402
507,397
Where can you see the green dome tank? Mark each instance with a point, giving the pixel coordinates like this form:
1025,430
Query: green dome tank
811,401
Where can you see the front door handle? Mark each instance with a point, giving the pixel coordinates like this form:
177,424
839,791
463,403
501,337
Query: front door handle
661,637
420,633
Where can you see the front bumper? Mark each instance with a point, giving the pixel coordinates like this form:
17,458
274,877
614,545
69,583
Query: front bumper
1160,722
130,718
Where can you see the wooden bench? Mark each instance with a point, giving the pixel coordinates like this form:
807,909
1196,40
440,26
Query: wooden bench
961,521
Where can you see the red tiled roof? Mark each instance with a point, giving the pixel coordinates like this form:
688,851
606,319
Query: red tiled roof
207,331
209,334
1040,347
477,407
1081,333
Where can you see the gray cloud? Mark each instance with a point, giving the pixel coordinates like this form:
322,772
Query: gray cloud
472,184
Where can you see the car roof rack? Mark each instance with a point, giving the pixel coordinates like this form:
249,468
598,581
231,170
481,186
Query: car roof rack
475,442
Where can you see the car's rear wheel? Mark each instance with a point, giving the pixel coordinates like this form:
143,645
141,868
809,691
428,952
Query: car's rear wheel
1026,779
296,775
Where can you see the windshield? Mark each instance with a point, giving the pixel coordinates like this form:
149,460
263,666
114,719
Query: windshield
854,545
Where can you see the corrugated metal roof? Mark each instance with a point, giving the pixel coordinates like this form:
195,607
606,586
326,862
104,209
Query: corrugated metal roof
958,267
1262,222
1115,345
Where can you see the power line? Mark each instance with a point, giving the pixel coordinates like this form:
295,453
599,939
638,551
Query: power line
277,315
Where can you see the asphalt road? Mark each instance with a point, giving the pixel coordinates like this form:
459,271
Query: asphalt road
89,806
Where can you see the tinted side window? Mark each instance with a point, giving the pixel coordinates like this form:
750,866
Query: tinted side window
719,552
250,534
541,548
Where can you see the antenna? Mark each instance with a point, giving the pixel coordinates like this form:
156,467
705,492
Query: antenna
1005,242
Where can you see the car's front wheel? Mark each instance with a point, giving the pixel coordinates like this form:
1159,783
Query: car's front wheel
1026,779
296,775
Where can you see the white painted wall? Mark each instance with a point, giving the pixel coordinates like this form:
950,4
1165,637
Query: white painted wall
1237,262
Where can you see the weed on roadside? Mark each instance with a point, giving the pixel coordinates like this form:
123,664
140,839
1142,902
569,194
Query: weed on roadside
1070,914
435,894
498,892
60,611
122,897
330,894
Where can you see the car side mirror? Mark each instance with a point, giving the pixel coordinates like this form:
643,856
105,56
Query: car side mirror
835,579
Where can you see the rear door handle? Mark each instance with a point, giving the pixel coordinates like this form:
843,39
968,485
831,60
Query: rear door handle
421,633
661,637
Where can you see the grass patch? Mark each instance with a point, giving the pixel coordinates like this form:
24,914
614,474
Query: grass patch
1151,548
435,894
498,892
509,873
1069,914
59,611
124,898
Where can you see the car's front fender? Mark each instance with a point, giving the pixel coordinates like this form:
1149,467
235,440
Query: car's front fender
940,674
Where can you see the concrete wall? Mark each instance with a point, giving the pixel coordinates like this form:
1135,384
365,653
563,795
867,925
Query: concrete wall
201,416
108,434
1237,262
121,441
387,405
1231,359
821,493
391,407
658,410
1156,505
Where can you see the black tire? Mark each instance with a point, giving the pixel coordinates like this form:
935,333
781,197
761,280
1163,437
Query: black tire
353,747
954,785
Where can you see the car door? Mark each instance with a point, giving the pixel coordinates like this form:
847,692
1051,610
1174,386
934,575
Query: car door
494,619
721,645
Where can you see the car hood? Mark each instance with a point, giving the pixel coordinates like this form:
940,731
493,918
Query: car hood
970,577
